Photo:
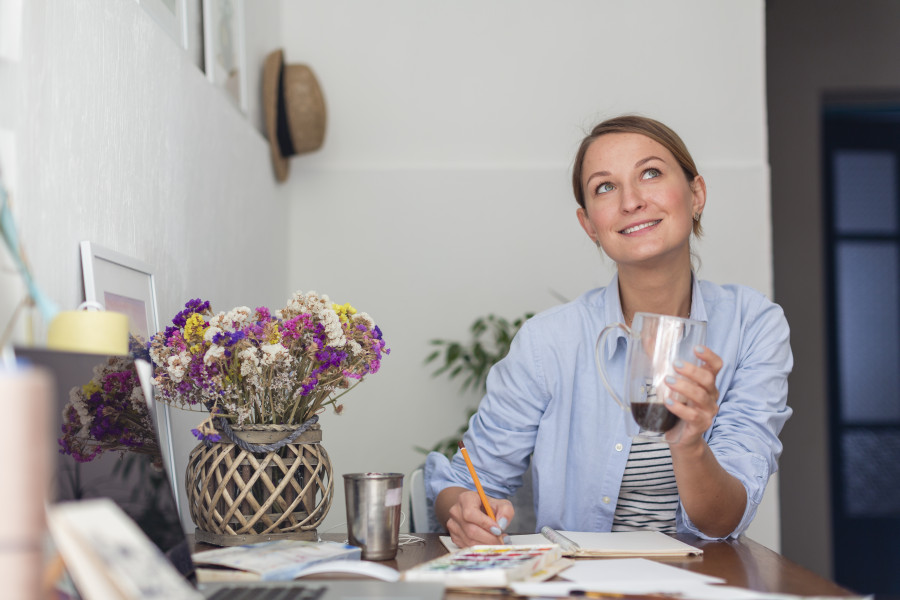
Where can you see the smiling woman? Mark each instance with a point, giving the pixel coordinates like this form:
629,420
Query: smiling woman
640,199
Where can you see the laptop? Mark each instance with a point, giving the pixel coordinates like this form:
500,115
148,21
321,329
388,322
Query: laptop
139,484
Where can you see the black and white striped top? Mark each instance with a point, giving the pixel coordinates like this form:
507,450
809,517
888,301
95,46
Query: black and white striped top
648,496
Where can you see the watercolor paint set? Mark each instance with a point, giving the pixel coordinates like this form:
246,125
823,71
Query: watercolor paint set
490,566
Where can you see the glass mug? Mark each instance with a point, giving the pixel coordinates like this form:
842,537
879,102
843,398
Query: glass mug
655,342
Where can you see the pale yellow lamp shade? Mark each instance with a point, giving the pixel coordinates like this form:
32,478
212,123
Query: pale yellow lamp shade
94,332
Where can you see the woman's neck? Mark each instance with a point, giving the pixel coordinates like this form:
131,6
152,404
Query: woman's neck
664,292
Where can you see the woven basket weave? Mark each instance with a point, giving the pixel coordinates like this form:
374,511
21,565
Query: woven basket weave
239,497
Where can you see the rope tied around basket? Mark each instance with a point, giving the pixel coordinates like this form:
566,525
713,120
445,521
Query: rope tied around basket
223,426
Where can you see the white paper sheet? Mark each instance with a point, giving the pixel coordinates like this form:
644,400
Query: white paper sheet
633,571
684,591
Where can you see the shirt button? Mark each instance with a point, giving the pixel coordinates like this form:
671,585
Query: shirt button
605,499
619,447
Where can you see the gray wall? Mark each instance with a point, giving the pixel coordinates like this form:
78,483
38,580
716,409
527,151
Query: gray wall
813,47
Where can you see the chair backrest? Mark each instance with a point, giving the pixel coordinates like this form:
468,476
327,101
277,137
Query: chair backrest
423,520
418,503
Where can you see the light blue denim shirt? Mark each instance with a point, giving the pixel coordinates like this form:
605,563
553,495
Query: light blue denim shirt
546,398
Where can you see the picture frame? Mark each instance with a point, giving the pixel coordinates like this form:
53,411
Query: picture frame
124,284
224,49
171,15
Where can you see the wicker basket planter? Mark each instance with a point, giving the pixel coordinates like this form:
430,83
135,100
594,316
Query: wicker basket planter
238,496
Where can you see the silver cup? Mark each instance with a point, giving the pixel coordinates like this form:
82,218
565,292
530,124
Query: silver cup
373,512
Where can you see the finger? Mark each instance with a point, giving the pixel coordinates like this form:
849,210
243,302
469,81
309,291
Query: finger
477,535
693,422
472,514
472,510
690,402
688,391
685,412
504,511
709,358
466,534
703,376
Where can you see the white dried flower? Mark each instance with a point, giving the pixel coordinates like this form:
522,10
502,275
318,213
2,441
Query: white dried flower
175,369
238,316
249,358
137,399
220,322
273,354
84,416
365,319
214,353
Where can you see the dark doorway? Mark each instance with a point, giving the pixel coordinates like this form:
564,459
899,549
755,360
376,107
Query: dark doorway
862,224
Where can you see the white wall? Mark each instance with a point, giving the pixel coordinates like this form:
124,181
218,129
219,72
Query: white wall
442,192
121,140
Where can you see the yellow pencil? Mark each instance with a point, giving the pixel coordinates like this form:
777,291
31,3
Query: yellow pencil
484,500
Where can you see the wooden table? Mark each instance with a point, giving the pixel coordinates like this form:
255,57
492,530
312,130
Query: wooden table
741,562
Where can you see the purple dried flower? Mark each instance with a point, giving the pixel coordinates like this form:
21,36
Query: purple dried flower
191,306
206,437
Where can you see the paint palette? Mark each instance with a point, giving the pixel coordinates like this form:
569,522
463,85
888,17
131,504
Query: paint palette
488,566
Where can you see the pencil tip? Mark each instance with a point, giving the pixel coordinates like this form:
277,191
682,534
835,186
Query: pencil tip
460,444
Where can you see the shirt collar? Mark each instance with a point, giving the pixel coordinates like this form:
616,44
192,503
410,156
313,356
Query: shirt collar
613,309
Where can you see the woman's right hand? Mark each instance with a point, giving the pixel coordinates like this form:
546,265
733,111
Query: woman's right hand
467,522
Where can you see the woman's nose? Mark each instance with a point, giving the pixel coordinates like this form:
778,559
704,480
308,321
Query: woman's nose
632,199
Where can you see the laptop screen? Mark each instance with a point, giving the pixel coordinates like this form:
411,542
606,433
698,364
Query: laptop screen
107,445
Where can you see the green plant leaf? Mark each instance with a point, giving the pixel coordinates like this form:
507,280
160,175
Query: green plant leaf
473,360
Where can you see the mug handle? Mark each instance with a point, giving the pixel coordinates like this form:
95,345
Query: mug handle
601,364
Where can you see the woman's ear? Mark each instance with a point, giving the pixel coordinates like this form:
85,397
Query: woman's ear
698,190
587,225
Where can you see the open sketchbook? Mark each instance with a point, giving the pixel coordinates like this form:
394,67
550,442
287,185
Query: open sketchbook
609,543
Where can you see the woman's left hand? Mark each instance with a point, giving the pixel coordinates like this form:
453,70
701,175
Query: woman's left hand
694,396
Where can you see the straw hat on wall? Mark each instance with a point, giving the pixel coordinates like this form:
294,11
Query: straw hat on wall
294,110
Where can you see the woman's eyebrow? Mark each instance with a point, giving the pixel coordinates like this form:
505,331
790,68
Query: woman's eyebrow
646,160
596,174
636,165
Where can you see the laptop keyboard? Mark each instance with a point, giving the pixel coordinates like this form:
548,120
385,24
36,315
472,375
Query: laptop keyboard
291,592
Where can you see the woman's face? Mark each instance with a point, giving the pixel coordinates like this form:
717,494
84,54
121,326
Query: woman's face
638,202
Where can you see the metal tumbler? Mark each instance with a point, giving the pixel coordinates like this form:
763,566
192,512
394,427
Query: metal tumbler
373,512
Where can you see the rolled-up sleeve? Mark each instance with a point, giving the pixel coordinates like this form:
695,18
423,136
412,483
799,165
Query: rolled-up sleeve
501,434
753,408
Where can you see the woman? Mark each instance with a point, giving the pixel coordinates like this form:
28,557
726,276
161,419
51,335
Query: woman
640,200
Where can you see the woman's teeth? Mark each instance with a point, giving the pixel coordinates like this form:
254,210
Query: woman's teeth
641,226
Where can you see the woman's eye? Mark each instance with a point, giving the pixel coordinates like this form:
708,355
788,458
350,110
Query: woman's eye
605,187
650,173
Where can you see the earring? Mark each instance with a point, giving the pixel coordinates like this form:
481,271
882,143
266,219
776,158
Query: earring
696,216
